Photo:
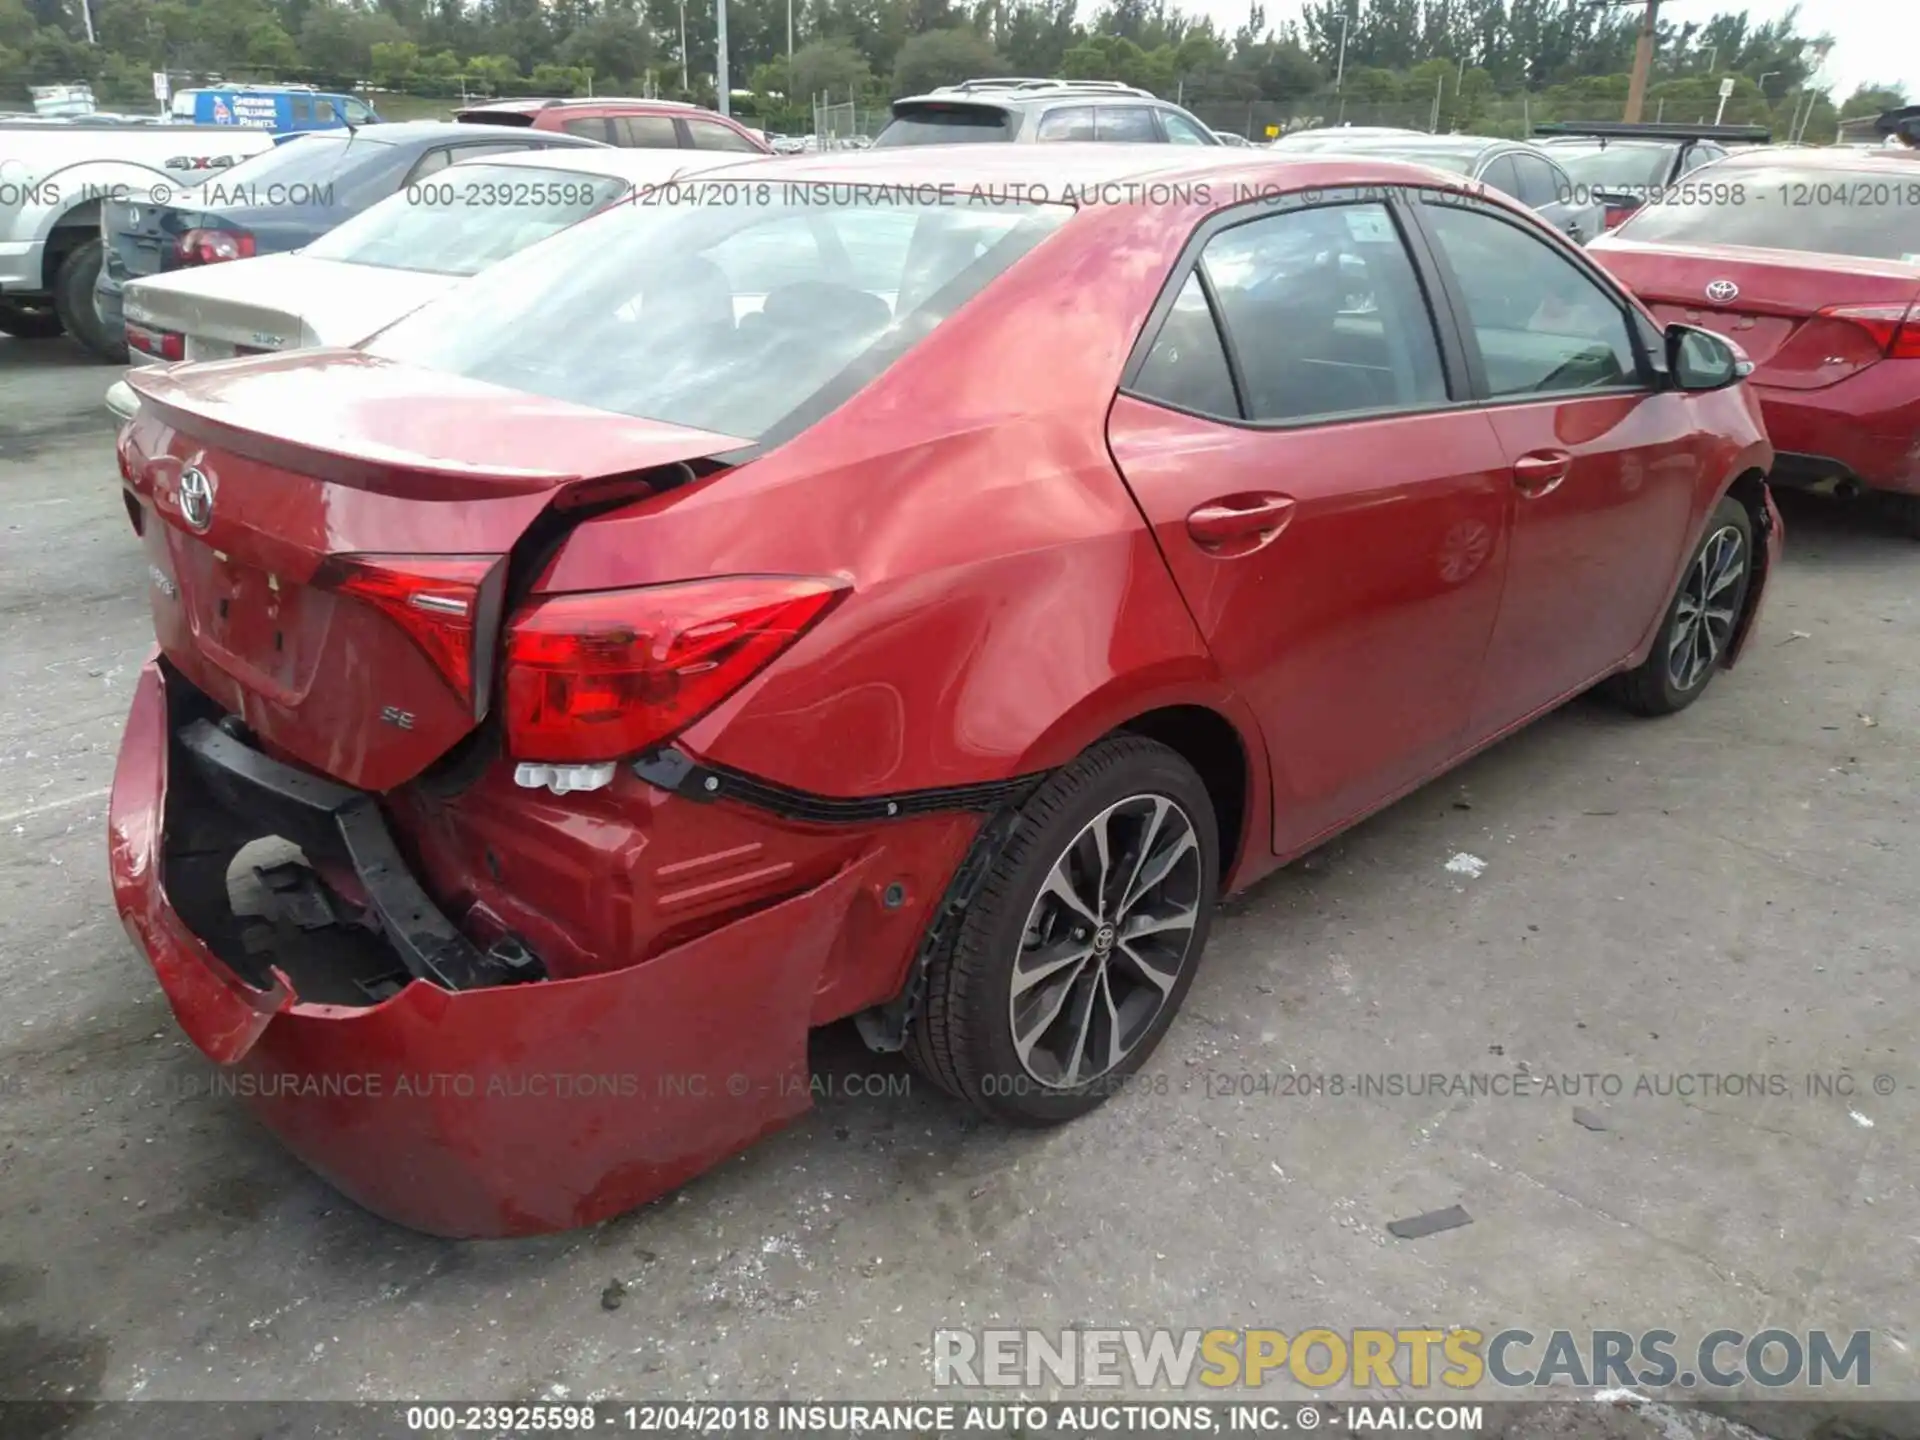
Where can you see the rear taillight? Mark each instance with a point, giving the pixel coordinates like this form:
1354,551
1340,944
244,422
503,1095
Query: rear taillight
611,673
163,344
444,603
1617,215
1895,328
209,247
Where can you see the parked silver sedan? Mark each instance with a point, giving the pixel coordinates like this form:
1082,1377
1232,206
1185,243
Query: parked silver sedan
1526,172
389,260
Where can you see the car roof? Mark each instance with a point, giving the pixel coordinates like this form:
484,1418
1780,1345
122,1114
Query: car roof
1012,95
1058,170
1883,160
411,132
641,166
533,106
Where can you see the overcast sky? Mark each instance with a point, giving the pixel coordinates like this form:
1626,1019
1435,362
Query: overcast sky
1876,42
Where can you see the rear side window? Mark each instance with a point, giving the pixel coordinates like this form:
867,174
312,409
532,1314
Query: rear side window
1502,176
736,319
645,132
1068,122
1187,366
324,112
302,110
946,125
709,136
590,127
1125,124
1324,315
1868,214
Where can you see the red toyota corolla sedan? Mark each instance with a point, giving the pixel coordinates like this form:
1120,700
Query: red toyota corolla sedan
1810,261
911,586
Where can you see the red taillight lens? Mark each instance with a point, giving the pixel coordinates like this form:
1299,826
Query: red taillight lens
1895,328
1617,215
442,602
615,672
165,344
209,247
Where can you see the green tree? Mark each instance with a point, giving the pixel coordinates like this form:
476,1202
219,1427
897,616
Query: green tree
943,57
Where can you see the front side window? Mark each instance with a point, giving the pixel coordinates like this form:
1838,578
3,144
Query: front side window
1125,124
302,110
1541,182
1542,324
1182,131
1069,122
709,136
358,113
1324,315
466,218
725,318
323,110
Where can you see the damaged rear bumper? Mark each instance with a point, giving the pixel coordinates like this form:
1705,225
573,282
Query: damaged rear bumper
462,1104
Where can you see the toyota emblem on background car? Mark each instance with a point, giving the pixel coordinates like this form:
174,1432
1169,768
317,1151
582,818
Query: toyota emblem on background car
1722,291
196,498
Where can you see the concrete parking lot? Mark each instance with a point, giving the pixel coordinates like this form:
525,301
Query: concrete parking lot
1727,893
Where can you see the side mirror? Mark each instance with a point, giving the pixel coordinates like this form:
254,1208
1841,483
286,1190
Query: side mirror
1701,360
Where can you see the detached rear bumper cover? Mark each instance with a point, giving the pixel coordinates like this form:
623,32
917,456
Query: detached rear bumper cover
504,1110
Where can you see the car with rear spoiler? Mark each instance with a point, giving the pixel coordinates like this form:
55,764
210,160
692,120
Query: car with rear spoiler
1622,164
1809,260
1027,111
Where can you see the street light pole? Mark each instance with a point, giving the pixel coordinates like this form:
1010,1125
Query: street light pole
1340,70
686,87
723,86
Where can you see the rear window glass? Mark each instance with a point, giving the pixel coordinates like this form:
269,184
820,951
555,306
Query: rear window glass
316,168
732,318
1629,169
1441,157
466,218
1868,214
947,125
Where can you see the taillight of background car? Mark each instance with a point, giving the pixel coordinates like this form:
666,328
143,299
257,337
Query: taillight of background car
1617,214
161,344
1895,328
210,246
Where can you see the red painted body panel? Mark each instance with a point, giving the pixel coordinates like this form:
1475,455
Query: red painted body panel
1025,572
1824,386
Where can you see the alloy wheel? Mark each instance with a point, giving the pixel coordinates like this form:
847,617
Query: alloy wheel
1105,941
1704,616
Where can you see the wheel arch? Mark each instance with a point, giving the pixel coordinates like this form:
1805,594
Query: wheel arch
1750,489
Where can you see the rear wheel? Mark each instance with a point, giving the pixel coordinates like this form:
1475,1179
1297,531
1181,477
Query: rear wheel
1905,511
25,322
73,301
1078,949
1698,630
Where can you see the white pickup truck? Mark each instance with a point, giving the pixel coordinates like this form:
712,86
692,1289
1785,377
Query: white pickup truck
54,178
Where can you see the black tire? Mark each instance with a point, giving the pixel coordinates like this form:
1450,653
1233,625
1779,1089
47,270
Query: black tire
1669,679
963,1038
73,302
1904,511
25,323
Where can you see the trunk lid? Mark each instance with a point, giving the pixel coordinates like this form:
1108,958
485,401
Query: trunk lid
1774,314
278,302
329,537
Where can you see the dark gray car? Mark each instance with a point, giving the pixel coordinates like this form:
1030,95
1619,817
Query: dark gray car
1526,172
1028,111
281,200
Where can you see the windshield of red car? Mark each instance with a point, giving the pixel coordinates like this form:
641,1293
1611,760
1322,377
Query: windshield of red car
1784,206
723,316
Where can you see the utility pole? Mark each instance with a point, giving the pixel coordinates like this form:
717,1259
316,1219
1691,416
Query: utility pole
1340,70
789,44
723,87
686,86
1642,62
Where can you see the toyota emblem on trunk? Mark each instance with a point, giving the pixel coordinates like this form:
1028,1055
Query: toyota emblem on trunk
196,498
1722,291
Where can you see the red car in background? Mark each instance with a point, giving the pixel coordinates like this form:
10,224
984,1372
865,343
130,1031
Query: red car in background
1809,260
915,592
630,124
